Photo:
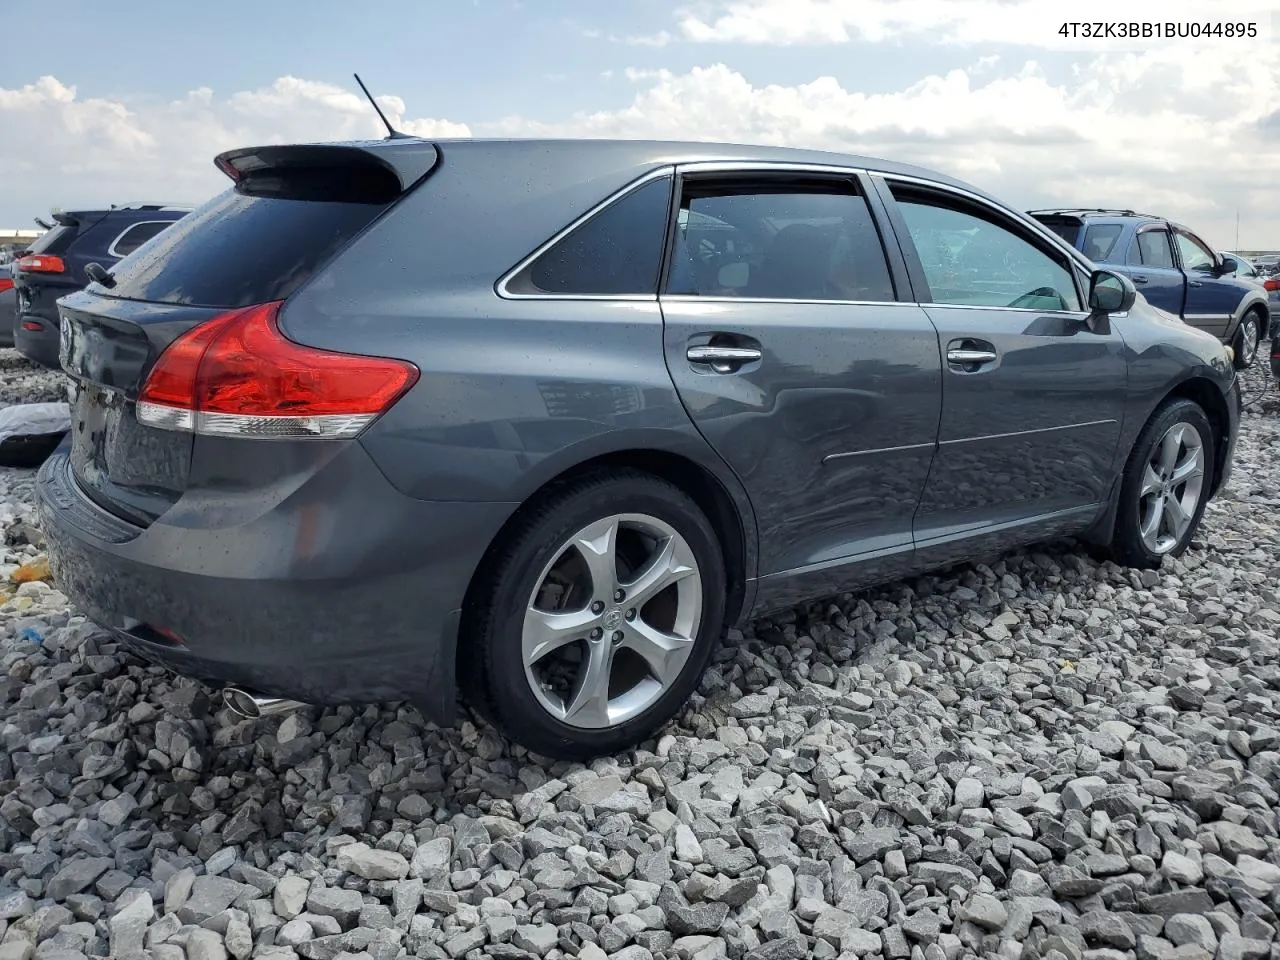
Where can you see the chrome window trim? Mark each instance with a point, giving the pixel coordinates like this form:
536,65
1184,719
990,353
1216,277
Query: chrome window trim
1077,314
502,286
111,250
694,298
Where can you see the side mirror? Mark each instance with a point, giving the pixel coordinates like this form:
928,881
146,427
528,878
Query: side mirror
1227,266
1110,292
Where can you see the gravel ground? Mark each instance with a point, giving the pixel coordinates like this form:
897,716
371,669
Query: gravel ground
1042,758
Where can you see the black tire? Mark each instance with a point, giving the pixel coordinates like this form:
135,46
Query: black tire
491,665
1127,546
1248,339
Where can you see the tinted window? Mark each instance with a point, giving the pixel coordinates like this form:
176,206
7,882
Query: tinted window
972,260
786,241
238,250
1194,256
135,236
53,241
617,252
1100,239
1153,249
1068,230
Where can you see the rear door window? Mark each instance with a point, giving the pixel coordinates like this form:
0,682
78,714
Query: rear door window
778,239
135,235
616,252
1100,239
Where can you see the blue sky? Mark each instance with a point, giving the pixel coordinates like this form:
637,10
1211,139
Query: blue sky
469,58
100,103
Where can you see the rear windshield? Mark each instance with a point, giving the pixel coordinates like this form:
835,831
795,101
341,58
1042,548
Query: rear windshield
238,250
52,241
1068,230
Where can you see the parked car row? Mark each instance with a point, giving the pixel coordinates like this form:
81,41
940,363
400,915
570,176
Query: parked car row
60,261
1175,271
384,420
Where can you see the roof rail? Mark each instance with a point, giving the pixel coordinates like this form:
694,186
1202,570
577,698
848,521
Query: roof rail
152,205
1111,211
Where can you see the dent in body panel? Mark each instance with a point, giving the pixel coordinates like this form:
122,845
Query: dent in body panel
831,432
1031,435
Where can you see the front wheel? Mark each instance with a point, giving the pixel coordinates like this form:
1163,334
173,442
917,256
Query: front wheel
1165,487
1248,337
597,617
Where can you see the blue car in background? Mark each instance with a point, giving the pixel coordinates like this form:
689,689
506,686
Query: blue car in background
1173,269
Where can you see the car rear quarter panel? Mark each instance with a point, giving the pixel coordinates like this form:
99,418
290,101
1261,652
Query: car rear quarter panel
513,392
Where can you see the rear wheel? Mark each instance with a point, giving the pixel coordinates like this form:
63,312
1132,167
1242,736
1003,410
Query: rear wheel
1165,487
1247,339
597,617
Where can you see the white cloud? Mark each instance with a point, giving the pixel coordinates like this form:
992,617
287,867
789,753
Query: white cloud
1151,130
1132,130
61,149
1021,22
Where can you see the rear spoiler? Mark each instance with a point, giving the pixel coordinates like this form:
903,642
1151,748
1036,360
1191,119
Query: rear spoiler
408,160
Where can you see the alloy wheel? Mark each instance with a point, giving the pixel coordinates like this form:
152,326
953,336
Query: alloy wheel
612,621
1172,484
1248,341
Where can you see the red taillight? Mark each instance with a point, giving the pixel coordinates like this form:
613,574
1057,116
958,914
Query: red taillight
1271,283
5,284
237,375
41,263
32,325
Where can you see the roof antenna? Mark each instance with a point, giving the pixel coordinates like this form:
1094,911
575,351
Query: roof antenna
392,132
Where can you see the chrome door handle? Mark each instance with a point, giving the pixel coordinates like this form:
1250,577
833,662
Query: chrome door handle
723,359
965,357
1194,283
1139,279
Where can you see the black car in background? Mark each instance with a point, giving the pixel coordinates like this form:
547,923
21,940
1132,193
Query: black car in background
54,265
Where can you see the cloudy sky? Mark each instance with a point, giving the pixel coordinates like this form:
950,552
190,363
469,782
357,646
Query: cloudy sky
132,101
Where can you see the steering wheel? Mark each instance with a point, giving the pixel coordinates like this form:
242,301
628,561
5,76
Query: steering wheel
1040,293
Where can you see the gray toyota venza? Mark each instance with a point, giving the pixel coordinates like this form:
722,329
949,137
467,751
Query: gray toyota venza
536,421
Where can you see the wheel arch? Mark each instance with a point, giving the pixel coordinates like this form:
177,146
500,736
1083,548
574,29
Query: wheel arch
1206,394
730,516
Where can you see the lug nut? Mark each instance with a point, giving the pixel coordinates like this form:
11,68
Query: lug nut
617,636
631,614
597,607
620,595
597,633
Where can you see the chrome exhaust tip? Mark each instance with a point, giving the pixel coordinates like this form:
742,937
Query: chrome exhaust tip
250,706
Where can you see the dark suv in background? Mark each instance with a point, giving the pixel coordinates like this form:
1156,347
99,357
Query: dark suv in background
1174,269
55,265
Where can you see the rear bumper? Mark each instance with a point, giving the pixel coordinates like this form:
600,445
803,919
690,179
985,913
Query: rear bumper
344,591
39,345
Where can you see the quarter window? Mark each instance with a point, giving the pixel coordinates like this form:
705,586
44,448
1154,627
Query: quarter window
617,252
1194,255
136,235
1153,249
778,239
971,260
